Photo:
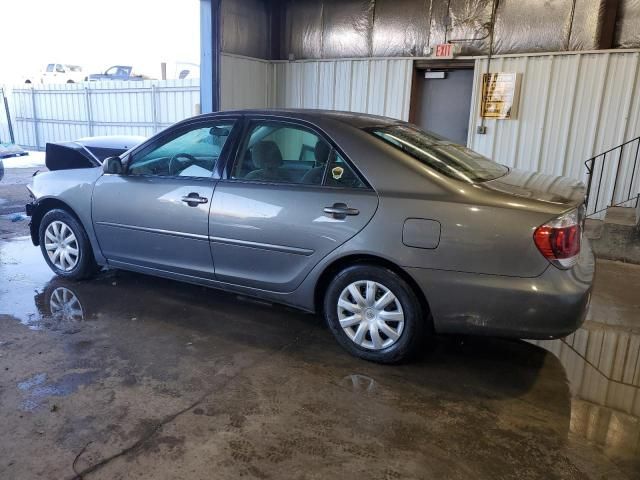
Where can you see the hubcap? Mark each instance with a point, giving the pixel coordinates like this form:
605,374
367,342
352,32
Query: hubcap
61,245
65,306
370,315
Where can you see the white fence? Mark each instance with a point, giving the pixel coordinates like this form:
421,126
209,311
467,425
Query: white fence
54,113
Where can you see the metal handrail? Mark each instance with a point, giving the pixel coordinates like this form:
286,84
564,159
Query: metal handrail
592,168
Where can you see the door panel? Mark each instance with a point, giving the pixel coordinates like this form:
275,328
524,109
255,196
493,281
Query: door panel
444,105
270,236
144,221
157,214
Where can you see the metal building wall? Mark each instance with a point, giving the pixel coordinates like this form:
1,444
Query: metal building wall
572,107
315,29
376,86
69,111
246,28
246,83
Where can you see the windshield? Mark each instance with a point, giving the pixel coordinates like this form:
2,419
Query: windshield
445,157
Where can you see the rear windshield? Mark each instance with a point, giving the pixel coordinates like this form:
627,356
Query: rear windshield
445,157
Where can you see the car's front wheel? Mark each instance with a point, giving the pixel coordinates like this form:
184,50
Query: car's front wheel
65,246
375,314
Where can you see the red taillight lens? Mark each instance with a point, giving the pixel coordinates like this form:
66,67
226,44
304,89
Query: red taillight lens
559,239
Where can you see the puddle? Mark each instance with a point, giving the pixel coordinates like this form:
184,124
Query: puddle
37,391
14,217
602,364
23,273
37,379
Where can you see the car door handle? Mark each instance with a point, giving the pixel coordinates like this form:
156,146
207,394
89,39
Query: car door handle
193,199
340,210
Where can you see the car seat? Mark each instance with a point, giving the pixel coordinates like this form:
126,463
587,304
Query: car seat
314,176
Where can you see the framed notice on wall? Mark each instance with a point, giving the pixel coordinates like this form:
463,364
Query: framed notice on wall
500,95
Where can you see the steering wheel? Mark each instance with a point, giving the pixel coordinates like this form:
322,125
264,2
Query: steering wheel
174,160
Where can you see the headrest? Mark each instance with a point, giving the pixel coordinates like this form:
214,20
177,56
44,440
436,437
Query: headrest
266,154
321,150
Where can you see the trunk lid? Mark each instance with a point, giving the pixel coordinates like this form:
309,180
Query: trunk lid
87,152
552,189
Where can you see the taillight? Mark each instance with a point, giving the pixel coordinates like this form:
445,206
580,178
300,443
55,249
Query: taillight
559,239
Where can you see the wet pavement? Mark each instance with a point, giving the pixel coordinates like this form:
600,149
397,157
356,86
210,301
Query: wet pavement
13,198
128,376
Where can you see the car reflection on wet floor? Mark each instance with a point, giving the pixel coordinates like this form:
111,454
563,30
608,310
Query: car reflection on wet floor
471,406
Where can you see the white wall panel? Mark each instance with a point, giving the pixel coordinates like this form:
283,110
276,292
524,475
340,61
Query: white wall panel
572,107
246,83
376,86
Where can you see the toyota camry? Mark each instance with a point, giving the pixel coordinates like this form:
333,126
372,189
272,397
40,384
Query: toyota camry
391,233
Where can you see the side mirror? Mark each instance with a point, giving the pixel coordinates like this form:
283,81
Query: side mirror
113,165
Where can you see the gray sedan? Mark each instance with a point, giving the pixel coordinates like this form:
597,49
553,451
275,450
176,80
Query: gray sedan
391,233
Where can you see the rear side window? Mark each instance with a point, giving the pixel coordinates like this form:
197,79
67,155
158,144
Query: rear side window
282,153
441,155
340,174
278,152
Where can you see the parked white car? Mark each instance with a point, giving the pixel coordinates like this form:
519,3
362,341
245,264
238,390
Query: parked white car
58,73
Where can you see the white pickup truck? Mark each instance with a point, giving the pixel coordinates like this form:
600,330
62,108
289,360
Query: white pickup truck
58,73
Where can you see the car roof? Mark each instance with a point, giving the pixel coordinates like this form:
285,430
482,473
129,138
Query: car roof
357,120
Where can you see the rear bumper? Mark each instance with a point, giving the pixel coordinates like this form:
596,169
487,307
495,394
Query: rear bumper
551,305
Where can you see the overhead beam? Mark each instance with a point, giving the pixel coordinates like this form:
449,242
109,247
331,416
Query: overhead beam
210,46
608,25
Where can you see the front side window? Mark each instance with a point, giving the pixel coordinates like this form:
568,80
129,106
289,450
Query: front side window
277,152
193,153
445,157
50,67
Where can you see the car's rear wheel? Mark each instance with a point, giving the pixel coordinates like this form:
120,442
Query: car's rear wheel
375,314
65,246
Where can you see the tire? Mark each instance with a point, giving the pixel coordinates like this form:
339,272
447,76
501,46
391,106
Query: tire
73,266
402,342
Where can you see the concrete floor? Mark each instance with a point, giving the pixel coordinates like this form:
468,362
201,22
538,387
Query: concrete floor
129,376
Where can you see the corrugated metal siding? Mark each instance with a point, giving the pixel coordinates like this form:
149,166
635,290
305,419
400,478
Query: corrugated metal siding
380,87
246,83
49,113
572,107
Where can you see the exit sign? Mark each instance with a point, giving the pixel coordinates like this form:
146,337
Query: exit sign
444,50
